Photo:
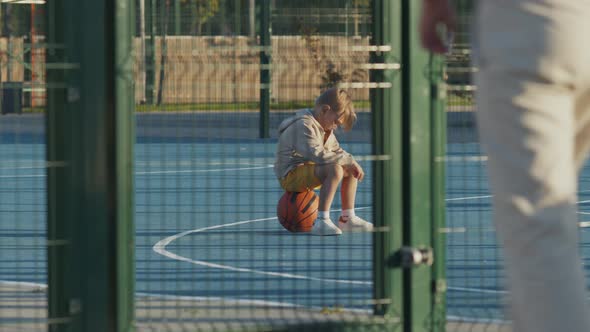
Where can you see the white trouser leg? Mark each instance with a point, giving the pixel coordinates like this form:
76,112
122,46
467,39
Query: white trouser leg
533,126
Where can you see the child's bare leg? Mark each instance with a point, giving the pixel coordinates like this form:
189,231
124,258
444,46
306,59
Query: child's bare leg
348,191
348,220
330,176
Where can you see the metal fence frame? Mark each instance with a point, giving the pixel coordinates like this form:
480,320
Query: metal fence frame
90,137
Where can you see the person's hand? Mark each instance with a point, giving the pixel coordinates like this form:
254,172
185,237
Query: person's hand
357,171
436,14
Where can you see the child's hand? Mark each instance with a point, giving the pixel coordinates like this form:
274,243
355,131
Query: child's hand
357,171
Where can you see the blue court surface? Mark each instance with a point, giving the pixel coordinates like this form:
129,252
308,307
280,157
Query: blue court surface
206,228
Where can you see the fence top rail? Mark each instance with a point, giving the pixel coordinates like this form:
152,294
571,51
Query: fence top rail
23,2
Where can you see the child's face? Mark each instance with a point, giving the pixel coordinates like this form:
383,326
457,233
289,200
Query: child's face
330,119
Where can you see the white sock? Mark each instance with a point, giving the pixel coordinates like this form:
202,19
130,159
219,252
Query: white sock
347,214
323,214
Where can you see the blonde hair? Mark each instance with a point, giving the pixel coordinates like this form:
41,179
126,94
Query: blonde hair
340,102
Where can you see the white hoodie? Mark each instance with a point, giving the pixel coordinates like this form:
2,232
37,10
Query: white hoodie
301,140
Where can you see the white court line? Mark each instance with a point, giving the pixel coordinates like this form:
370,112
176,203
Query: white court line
256,163
447,230
467,198
473,158
23,167
478,290
22,176
157,172
583,224
478,320
40,286
160,248
204,170
234,301
23,284
161,245
224,300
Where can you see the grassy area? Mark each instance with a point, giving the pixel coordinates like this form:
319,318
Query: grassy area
460,100
230,107
244,106
452,100
33,110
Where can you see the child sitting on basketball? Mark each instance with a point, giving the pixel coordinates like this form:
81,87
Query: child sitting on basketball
309,156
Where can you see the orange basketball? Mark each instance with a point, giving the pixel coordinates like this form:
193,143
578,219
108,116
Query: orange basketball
298,210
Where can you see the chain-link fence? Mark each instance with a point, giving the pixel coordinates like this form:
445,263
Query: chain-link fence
211,252
210,92
23,259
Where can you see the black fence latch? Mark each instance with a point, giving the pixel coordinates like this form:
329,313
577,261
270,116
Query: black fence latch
408,257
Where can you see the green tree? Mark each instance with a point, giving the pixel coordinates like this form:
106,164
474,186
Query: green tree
201,12
330,75
15,20
361,3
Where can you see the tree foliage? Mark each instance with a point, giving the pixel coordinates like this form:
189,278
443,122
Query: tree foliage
15,20
201,12
361,3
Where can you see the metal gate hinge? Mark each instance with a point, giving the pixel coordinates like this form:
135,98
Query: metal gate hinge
408,257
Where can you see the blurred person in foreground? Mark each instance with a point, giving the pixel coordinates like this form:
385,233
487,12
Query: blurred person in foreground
533,98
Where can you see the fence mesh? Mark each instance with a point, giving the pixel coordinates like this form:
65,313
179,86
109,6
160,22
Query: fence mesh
477,296
211,254
210,251
23,266
476,291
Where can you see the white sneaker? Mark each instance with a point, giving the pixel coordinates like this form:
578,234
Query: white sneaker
354,224
324,227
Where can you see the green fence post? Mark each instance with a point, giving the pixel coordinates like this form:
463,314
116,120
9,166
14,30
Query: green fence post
265,72
416,174
124,118
386,108
89,178
237,19
422,189
177,18
438,142
59,277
